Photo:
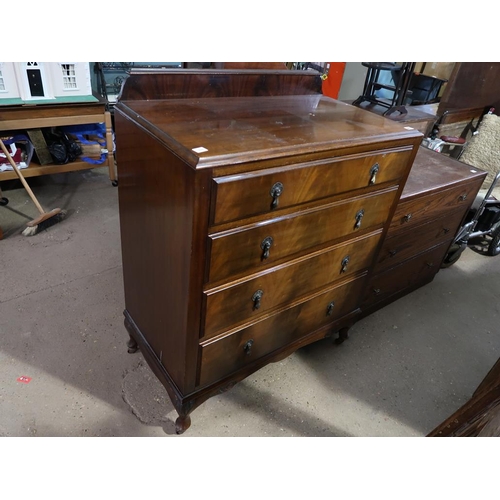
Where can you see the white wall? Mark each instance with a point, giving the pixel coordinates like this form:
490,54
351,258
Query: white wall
352,82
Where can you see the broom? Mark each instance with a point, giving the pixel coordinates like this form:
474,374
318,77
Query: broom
46,219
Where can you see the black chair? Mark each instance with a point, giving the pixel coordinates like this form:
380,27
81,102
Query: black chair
396,84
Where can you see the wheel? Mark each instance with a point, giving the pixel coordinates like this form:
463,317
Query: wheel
4,201
494,246
115,183
453,254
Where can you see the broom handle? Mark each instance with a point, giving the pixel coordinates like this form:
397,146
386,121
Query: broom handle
21,177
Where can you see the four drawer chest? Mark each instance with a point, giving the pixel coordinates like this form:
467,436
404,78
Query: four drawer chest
254,212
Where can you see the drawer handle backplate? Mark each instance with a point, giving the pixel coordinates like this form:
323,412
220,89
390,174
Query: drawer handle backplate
373,173
406,218
329,308
359,215
266,246
462,197
275,193
248,347
343,264
256,298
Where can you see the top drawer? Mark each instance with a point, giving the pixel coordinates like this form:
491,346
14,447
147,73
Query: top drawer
423,209
264,191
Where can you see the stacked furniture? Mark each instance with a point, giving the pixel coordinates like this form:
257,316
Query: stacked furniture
252,212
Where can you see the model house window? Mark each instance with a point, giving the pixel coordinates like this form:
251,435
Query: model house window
34,79
69,76
2,83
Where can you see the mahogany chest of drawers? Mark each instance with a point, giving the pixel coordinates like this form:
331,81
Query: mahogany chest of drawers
252,209
437,196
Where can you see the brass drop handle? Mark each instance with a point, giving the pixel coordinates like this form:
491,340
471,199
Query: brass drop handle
373,173
275,193
462,197
248,347
343,264
376,291
329,308
407,217
429,264
359,215
256,298
266,246
392,253
446,230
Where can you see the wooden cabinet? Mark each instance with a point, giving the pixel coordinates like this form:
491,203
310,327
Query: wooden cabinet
252,209
25,117
437,196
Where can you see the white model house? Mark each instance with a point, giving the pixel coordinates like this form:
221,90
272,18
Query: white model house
40,81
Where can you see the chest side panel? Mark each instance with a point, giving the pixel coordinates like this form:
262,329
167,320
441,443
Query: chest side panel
163,208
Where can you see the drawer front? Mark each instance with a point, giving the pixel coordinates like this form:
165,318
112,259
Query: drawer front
402,245
398,278
248,301
250,248
425,208
258,192
223,356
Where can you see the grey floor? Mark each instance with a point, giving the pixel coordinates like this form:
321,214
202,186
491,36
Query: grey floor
402,372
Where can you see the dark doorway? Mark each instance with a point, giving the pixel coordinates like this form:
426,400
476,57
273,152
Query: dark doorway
35,82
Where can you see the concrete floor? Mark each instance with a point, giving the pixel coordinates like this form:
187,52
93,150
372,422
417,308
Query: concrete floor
402,372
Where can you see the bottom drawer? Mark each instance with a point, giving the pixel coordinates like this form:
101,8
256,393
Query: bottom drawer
419,269
223,356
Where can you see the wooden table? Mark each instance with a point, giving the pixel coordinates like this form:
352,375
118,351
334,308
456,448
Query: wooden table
25,117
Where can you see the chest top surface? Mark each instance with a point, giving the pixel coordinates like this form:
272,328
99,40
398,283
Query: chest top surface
207,132
433,171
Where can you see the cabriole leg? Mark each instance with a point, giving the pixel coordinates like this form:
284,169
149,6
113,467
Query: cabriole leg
343,335
182,424
132,345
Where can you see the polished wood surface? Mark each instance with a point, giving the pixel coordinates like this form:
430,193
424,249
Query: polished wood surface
223,356
435,200
241,250
232,304
147,84
434,171
413,211
402,245
480,415
201,272
415,271
243,129
162,263
253,193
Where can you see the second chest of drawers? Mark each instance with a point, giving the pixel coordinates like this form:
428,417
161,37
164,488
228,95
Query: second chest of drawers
436,198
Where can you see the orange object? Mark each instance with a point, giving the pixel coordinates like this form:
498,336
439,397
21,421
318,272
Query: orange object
331,85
